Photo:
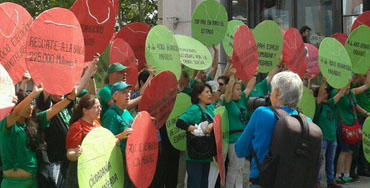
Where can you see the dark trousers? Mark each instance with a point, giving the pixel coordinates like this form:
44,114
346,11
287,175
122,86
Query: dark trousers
197,174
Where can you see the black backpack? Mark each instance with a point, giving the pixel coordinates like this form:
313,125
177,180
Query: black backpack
294,157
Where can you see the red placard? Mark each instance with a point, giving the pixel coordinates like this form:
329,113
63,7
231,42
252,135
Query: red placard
245,55
220,155
159,97
363,19
312,54
142,150
116,5
135,35
294,54
55,51
7,91
14,25
342,38
97,19
122,53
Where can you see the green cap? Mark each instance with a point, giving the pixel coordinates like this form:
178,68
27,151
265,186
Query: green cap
119,86
116,67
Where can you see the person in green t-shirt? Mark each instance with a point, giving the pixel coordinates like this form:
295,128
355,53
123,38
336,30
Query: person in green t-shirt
200,111
235,102
20,138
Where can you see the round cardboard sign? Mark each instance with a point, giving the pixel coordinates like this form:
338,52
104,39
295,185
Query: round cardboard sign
363,19
193,53
224,128
294,54
307,103
209,22
342,38
97,19
312,54
7,91
159,97
269,44
228,42
245,55
116,5
358,49
121,52
135,35
101,163
177,136
55,51
162,51
15,23
219,143
366,139
142,150
334,63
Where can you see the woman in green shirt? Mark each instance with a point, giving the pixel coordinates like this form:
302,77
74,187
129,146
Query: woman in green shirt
200,111
20,139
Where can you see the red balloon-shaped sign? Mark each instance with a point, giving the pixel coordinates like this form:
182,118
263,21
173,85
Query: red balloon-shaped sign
294,54
116,5
97,19
55,51
159,97
245,55
363,19
312,54
14,25
220,155
342,38
135,35
142,151
122,53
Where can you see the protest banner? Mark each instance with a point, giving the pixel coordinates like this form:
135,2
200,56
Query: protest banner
15,23
55,51
7,91
245,55
363,19
312,54
294,55
219,144
224,128
358,49
342,38
307,103
269,45
135,35
100,163
228,42
209,22
121,52
159,97
177,136
162,51
366,139
116,6
193,53
334,63
97,19
142,150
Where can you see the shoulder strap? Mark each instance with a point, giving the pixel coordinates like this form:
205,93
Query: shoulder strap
204,117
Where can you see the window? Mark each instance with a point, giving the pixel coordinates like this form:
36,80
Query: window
351,10
239,10
278,11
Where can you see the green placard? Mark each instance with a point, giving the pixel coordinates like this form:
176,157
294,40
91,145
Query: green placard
177,136
358,48
228,42
193,53
225,128
366,139
334,63
209,22
307,103
269,43
162,51
101,163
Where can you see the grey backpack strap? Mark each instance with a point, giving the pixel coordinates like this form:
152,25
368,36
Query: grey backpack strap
279,113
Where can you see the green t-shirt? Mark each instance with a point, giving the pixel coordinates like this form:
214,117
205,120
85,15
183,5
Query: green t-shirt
344,108
236,111
105,96
117,120
13,145
363,100
261,90
325,119
193,115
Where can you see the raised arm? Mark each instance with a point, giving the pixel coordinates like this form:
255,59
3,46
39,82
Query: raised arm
364,87
90,71
230,85
320,96
55,109
214,63
250,86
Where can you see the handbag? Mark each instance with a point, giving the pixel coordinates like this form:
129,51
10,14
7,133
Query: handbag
201,147
351,135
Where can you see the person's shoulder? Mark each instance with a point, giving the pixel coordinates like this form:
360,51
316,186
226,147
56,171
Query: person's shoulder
265,110
76,126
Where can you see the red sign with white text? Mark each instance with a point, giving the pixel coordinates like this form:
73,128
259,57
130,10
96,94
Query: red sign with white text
220,155
294,54
7,91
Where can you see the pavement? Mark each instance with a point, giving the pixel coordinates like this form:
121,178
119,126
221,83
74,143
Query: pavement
364,182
